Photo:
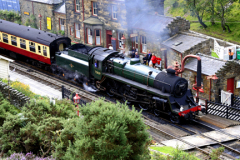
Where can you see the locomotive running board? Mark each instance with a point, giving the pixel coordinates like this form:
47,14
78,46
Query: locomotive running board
137,85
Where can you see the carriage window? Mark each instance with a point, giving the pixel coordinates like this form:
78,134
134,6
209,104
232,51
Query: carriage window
23,43
32,46
14,40
39,49
44,50
5,38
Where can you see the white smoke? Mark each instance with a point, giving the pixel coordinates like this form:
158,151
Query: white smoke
88,88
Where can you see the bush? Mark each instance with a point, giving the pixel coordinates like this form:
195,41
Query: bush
61,32
28,156
104,131
21,87
5,109
34,129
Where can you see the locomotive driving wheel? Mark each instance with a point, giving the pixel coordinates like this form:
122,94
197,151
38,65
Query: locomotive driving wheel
156,112
143,106
175,118
111,86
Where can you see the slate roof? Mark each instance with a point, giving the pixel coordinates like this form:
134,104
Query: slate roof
210,65
48,1
185,42
61,9
155,23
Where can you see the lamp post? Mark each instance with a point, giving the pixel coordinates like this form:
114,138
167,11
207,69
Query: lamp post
212,77
76,100
40,18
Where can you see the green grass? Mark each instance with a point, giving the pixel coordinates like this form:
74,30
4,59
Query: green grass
214,54
164,149
232,19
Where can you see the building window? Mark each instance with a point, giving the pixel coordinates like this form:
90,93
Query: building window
61,24
71,31
77,30
94,8
14,40
98,36
120,44
77,5
144,44
23,43
114,12
89,36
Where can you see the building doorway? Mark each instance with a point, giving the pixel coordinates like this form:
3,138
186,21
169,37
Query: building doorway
108,37
230,85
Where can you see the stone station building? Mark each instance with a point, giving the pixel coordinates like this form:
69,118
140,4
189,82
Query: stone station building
227,73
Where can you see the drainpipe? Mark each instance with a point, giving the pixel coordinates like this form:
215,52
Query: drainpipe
32,8
210,89
83,20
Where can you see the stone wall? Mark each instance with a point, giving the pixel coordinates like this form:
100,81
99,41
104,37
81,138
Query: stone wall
229,70
16,98
177,25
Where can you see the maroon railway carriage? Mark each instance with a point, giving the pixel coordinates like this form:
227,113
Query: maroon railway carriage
32,43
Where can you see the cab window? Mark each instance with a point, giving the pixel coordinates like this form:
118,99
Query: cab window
23,43
14,40
96,64
32,46
5,38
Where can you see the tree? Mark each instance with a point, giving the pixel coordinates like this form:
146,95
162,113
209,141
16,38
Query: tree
223,7
34,129
104,131
197,7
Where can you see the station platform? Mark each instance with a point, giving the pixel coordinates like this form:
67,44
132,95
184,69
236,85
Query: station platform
218,121
35,86
201,141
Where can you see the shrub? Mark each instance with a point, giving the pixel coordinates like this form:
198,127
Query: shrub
104,131
34,129
5,109
28,156
21,87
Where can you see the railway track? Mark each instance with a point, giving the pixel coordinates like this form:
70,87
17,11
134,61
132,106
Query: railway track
89,96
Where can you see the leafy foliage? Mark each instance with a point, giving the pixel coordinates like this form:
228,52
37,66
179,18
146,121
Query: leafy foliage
61,32
5,109
215,154
21,87
34,129
31,22
104,131
10,16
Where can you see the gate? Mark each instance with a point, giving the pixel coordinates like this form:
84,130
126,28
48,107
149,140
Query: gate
224,110
226,98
